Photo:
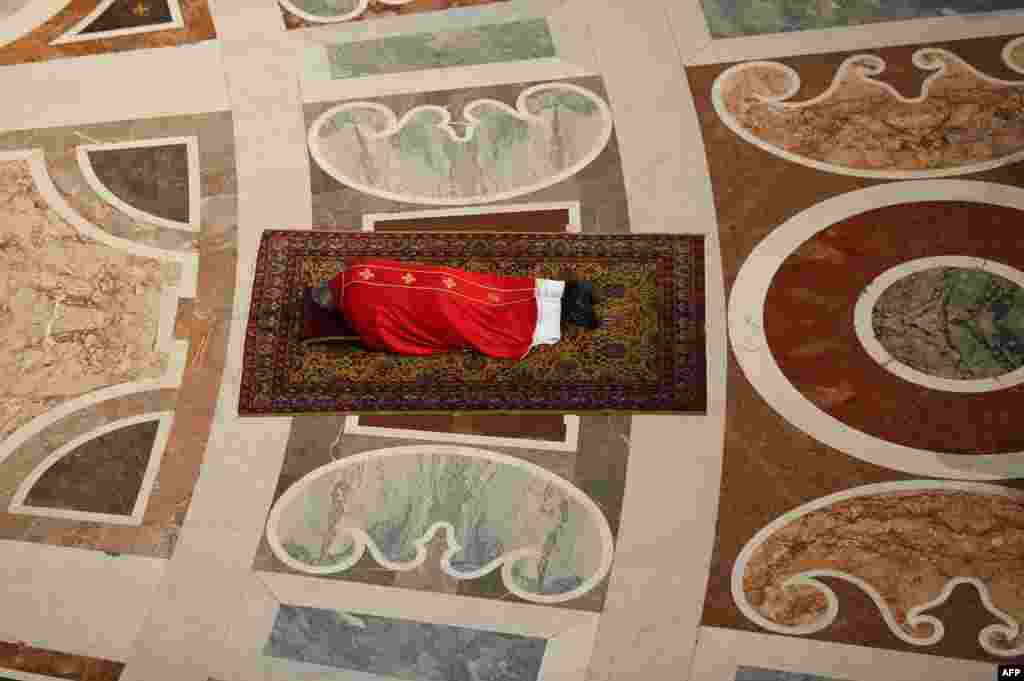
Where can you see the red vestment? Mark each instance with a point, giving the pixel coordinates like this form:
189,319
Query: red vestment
415,309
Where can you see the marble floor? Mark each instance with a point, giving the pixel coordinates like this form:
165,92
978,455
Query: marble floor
849,508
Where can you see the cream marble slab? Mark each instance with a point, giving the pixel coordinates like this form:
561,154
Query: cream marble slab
848,38
663,160
721,651
75,601
650,620
114,87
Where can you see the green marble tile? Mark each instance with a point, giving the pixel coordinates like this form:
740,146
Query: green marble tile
513,41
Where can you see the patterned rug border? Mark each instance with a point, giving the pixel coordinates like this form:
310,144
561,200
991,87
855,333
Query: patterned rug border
267,338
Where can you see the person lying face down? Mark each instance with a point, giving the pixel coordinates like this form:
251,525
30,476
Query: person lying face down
416,309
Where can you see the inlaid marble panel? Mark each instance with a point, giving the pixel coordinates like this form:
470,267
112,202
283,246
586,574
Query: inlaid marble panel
402,649
773,470
487,571
103,475
963,121
131,14
496,43
78,30
491,151
732,18
195,326
953,322
80,315
305,13
758,674
598,186
154,179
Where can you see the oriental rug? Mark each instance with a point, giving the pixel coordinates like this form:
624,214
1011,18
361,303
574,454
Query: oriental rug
648,355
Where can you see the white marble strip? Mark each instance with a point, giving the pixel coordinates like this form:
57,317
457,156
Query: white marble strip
927,31
319,89
720,652
424,606
74,601
18,506
27,18
574,227
194,200
649,625
105,87
75,35
569,444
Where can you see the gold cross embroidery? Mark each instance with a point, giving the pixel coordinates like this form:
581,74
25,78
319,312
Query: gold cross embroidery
449,282
140,10
366,274
408,278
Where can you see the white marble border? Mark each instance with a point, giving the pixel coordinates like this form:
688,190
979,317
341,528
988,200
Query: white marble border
119,86
570,633
1009,628
27,18
746,329
363,541
396,124
862,322
194,199
75,35
319,89
852,38
360,7
570,444
156,454
873,66
1008,49
721,652
574,226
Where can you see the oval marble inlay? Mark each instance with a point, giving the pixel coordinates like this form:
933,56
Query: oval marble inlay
946,323
496,152
549,539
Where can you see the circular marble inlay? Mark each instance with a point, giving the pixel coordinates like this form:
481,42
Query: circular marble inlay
949,323
793,331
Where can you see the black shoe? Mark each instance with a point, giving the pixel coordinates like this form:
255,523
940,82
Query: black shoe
578,305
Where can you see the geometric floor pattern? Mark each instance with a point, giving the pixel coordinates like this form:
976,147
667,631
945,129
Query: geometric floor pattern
850,506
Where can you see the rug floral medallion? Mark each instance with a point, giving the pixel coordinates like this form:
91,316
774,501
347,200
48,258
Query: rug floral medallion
648,355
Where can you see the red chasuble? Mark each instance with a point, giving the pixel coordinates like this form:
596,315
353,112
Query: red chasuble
415,309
